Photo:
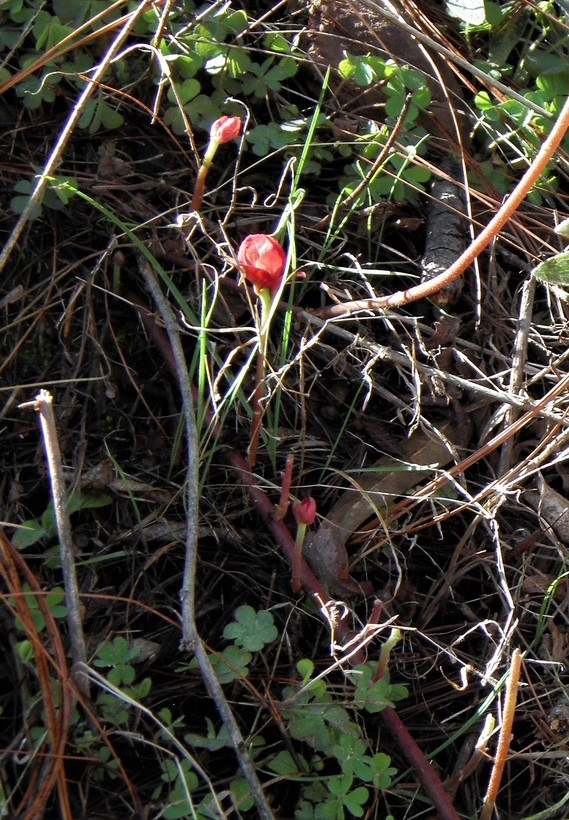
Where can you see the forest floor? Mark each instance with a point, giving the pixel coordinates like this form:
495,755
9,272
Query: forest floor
166,652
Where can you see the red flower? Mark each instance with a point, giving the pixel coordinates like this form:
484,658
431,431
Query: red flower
225,129
262,260
305,511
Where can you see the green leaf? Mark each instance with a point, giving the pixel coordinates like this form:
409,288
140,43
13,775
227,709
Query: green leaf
357,69
99,113
236,21
54,601
305,669
383,771
115,652
285,765
179,798
276,42
25,651
487,106
30,532
241,792
232,664
263,138
185,91
348,751
212,741
188,65
373,697
355,800
554,271
340,785
563,229
251,630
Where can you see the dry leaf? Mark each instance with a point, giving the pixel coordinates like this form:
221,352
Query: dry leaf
372,494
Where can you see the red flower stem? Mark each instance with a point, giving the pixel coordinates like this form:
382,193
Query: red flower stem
197,197
283,537
257,417
260,387
285,489
313,587
512,203
297,557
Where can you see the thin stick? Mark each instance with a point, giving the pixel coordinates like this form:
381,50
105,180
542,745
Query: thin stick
387,354
519,358
490,232
505,737
187,593
43,404
191,640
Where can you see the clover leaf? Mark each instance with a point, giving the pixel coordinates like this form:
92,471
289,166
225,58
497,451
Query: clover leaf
375,696
251,630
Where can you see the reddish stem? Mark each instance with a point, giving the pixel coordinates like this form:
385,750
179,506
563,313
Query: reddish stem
285,489
266,508
424,770
199,189
297,557
257,418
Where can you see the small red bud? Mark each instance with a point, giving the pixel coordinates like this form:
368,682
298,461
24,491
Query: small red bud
305,511
225,129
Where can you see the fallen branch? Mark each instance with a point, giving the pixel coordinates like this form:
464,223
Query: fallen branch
43,404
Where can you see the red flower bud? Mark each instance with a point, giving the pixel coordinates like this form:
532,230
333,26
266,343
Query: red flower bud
225,129
262,260
305,511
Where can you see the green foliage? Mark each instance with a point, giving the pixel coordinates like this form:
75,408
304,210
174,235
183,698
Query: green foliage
98,113
32,531
334,764
375,696
184,780
315,716
554,270
56,195
399,177
528,48
53,600
210,61
117,656
251,630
